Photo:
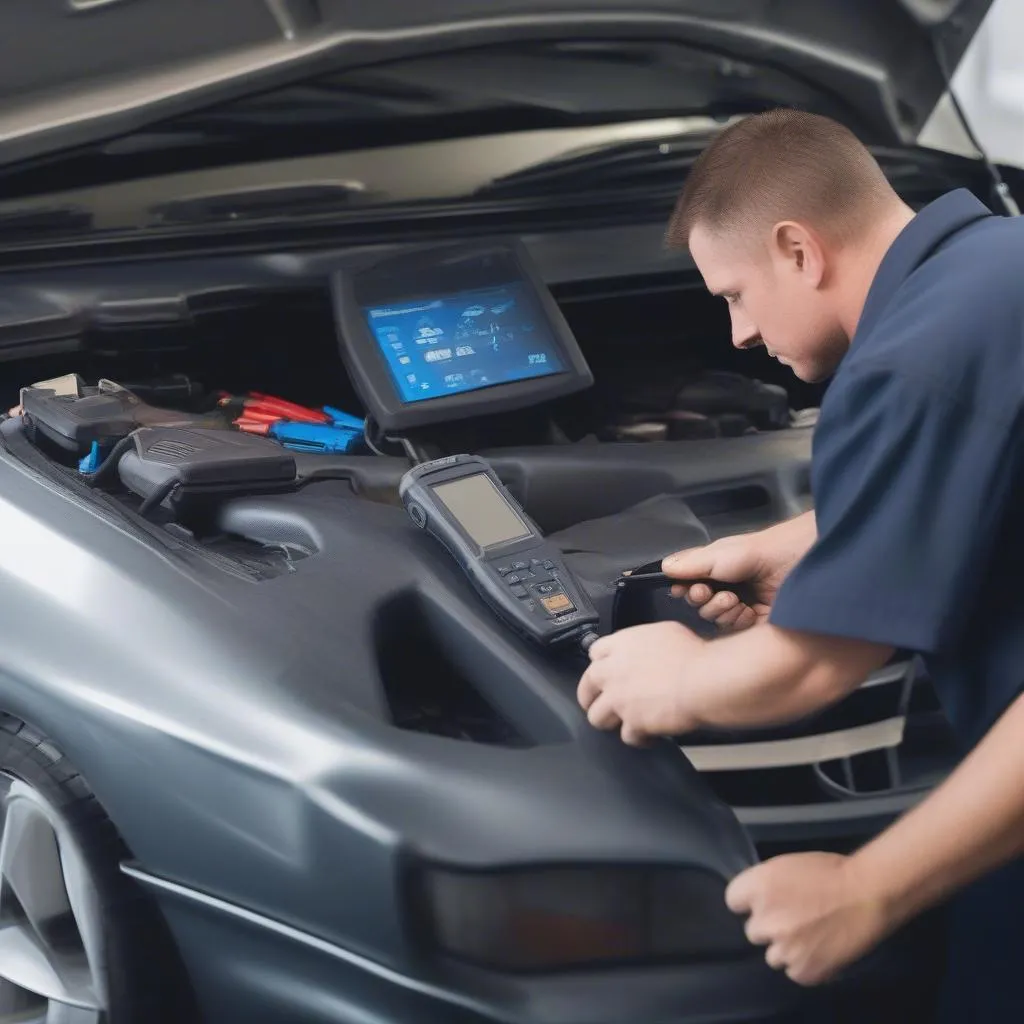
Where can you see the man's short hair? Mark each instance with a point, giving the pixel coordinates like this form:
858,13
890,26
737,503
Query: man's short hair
781,165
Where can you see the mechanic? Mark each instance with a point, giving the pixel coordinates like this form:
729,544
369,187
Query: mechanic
916,542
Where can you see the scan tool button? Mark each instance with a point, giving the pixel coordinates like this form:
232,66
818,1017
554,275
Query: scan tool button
557,604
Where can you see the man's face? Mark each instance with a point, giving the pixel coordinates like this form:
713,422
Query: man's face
777,297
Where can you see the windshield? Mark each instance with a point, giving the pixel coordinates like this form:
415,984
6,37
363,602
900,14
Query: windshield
570,120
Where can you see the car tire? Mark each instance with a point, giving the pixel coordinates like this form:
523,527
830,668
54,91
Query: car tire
78,938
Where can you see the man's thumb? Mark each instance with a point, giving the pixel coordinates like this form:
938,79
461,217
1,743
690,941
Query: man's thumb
690,564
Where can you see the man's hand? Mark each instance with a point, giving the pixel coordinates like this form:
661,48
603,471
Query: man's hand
730,560
636,681
662,679
811,911
819,912
762,559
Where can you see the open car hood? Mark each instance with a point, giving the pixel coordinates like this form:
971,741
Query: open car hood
163,58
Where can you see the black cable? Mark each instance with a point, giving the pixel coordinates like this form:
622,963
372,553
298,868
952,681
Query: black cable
1001,188
109,464
374,436
158,496
370,427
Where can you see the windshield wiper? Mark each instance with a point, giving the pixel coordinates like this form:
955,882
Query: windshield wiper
661,164
270,201
35,222
643,162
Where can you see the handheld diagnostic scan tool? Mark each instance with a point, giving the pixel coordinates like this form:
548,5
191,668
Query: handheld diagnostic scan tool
460,501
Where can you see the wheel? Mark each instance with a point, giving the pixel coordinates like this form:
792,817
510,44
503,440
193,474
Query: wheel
80,943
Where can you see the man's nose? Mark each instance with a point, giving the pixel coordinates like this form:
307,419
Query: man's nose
744,333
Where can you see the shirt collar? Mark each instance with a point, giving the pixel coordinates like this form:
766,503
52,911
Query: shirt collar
931,226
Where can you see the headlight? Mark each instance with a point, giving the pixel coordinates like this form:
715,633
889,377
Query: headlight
550,918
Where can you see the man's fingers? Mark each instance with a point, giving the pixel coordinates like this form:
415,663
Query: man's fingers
589,688
698,594
774,957
757,934
601,714
740,891
723,602
634,737
746,618
732,618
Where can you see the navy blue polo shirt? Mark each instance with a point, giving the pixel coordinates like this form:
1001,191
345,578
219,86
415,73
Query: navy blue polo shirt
917,465
917,481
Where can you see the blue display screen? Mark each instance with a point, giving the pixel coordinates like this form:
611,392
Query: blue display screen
468,340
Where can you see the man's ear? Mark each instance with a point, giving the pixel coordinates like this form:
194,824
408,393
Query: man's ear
799,250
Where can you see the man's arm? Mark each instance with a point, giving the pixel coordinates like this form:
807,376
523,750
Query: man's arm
816,912
971,824
770,675
661,679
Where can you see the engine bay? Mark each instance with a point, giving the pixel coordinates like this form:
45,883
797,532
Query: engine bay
162,410
657,436
599,398
647,329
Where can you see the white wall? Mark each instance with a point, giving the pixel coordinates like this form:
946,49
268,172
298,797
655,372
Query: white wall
989,83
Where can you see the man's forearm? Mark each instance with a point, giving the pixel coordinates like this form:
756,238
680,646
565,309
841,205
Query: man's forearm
971,824
801,531
785,543
766,675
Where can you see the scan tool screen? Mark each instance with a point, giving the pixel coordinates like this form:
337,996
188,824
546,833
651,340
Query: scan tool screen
438,334
481,511
460,342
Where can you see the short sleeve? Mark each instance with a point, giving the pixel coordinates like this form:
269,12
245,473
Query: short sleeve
910,486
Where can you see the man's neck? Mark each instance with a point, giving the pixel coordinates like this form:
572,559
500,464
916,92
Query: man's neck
862,262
